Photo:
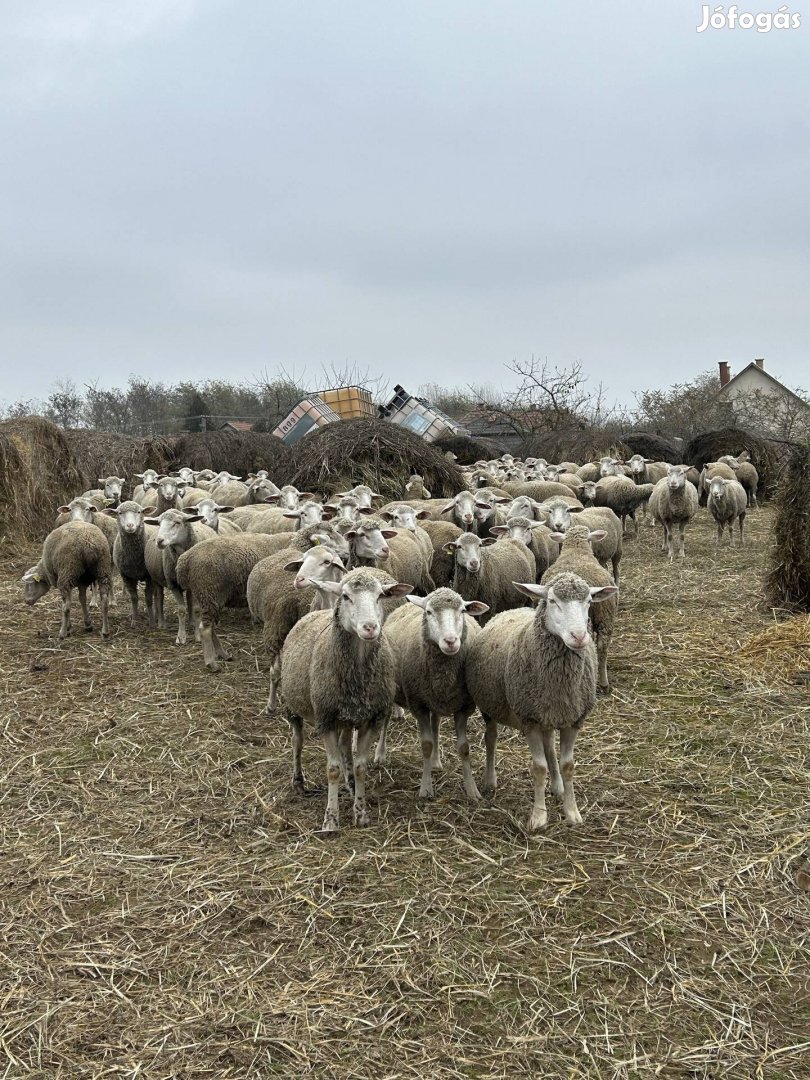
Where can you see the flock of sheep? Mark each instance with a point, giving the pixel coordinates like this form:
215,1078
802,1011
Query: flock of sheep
501,599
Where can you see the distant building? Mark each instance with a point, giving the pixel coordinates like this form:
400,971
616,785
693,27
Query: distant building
752,383
237,425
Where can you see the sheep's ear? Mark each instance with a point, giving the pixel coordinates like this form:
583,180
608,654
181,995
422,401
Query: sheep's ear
488,541
450,506
386,515
151,520
531,590
108,510
349,534
329,512
375,495
30,574
193,516
366,511
294,563
422,515
102,480
499,530
420,601
575,509
306,495
272,498
476,607
450,547
224,509
603,593
538,525
597,534
388,534
291,514
558,537
325,586
341,494
501,499
483,505
63,509
398,588
139,475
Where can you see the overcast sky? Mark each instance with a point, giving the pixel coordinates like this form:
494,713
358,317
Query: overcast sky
427,188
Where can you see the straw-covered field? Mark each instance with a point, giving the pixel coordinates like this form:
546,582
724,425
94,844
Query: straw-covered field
169,911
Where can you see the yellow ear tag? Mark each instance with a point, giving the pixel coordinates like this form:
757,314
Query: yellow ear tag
315,541
37,577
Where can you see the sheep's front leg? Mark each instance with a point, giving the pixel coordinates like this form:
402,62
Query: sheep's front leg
490,742
742,519
364,737
664,537
160,615
209,650
681,537
105,591
88,625
426,742
132,590
567,738
331,820
555,780
297,738
149,600
345,744
381,754
64,629
538,819
437,750
463,750
275,679
719,534
182,615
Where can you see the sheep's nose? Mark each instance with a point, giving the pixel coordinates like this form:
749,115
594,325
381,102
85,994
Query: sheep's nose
474,564
370,630
299,582
450,643
467,519
384,551
579,638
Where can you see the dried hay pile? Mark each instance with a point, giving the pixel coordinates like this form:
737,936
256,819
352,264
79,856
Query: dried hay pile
103,453
37,474
238,452
712,445
652,446
468,450
575,444
788,577
780,654
372,452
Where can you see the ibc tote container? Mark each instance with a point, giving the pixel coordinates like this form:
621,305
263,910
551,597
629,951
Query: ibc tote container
349,402
418,416
310,413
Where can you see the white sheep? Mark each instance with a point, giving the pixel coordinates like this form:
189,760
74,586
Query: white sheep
727,501
485,570
674,502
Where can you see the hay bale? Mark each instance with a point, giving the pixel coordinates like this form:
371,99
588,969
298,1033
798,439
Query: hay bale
575,444
239,452
101,453
788,577
711,445
37,474
372,452
653,447
469,450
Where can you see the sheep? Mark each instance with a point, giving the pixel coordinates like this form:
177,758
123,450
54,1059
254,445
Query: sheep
192,496
536,671
576,555
674,502
309,536
177,532
535,536
623,496
462,507
430,646
349,508
727,500
129,555
278,596
186,473
338,672
415,487
590,471
708,473
560,475
112,486
745,474
289,497
645,471
364,495
287,521
82,509
490,510
236,493
74,556
539,490
404,516
148,481
398,552
209,510
215,574
164,496
485,570
607,550
443,563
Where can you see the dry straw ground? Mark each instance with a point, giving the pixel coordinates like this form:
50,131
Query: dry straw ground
168,911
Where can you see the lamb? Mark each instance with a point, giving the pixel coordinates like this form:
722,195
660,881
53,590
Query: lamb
607,550
215,575
485,570
674,503
278,596
727,500
745,473
536,671
623,496
576,556
372,543
177,532
535,536
338,672
443,563
129,555
431,643
74,556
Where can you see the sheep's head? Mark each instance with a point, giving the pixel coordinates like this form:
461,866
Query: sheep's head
173,527
168,488
310,513
558,514
316,564
443,621
718,488
587,493
462,507
35,584
466,550
518,528
187,474
368,538
129,515
80,509
403,516
112,486
676,476
359,609
148,478
566,601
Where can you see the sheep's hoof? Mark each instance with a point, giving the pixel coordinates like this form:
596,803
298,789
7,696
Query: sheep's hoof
537,822
361,817
606,689
380,759
214,667
105,637
473,794
180,640
426,794
572,818
558,790
488,790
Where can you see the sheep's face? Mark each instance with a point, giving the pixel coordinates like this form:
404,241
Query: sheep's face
567,603
310,513
467,551
347,508
402,516
676,477
637,465
290,497
718,488
463,509
148,479
558,516
80,510
130,517
443,618
369,540
364,495
173,528
167,488
359,609
208,509
316,564
609,467
517,528
35,585
588,491
264,491
112,488
186,474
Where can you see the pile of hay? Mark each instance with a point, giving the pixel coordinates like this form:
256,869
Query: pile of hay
779,654
37,474
103,453
469,450
713,444
788,577
575,444
238,452
652,446
371,452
